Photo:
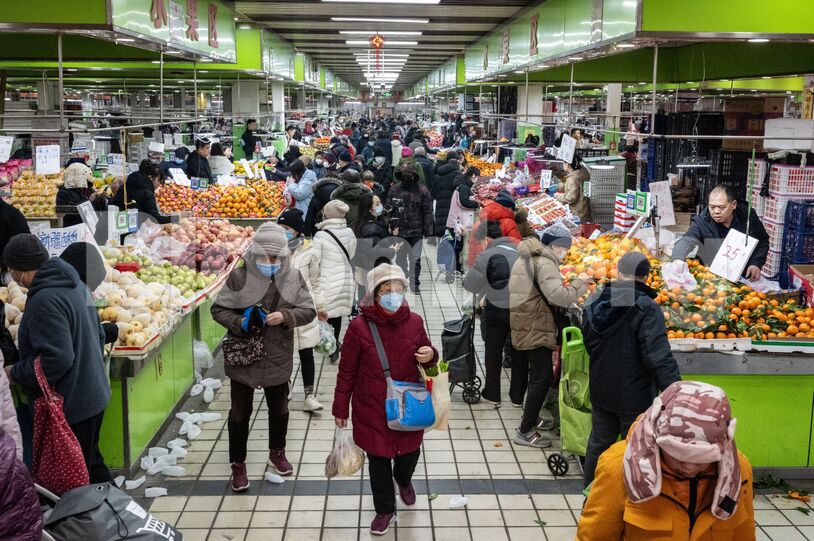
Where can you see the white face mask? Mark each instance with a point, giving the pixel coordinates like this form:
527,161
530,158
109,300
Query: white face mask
320,163
379,160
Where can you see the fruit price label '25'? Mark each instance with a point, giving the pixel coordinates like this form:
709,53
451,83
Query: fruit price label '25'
733,255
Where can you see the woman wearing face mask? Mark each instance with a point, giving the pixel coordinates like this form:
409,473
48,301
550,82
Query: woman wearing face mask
361,381
179,161
299,187
264,294
536,287
318,166
306,337
371,231
380,169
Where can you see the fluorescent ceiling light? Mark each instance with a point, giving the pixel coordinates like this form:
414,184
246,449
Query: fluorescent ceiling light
245,27
385,33
758,40
377,20
125,40
386,54
577,58
385,1
365,42
156,62
521,72
625,45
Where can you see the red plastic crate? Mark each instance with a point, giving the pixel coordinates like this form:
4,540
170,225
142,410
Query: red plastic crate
775,206
791,179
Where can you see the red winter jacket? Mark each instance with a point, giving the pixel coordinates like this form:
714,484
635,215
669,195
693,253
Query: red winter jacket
361,377
494,212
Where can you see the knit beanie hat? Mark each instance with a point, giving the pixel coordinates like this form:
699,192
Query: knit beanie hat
77,175
270,240
25,252
329,158
557,235
691,422
384,273
505,199
88,263
344,156
293,219
335,209
634,264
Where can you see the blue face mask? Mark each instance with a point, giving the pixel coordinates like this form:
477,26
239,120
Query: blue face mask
370,143
378,210
289,235
268,269
391,302
179,161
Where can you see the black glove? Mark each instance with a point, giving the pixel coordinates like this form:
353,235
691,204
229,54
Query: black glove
111,332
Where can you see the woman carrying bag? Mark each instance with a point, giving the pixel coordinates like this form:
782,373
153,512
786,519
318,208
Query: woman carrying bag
264,300
361,380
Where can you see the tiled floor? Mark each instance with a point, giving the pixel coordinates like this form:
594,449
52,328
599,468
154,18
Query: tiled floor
511,492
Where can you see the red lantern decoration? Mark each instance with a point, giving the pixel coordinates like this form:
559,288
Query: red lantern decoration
377,42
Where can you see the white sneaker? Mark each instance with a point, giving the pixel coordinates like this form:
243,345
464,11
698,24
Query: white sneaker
312,404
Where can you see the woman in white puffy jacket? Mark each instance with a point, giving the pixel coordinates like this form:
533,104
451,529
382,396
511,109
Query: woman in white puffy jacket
396,146
334,247
306,337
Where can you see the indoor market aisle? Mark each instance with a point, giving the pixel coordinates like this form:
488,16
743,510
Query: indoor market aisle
511,492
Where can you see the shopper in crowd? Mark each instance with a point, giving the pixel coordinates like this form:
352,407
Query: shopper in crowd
249,140
570,190
344,162
76,189
379,167
361,382
367,149
412,206
383,143
179,161
306,337
489,279
461,217
139,190
322,194
60,327
443,187
396,151
420,157
275,170
360,163
334,247
290,137
318,165
219,163
292,154
631,360
350,192
12,222
677,475
264,284
371,230
537,291
198,161
299,186
345,142
78,154
501,210
708,230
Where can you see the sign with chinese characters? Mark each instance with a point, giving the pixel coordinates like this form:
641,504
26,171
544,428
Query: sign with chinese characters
535,21
568,147
47,160
664,202
56,240
115,165
545,179
5,148
155,146
733,255
192,20
178,139
179,177
88,215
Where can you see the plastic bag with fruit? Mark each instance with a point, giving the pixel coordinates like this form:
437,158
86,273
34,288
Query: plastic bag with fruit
677,274
327,341
346,458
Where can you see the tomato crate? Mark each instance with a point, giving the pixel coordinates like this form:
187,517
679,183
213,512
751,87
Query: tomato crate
775,232
800,214
791,179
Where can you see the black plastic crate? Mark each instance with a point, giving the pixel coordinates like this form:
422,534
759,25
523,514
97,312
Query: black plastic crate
800,214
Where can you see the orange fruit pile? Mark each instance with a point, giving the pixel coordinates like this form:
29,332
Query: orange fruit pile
258,199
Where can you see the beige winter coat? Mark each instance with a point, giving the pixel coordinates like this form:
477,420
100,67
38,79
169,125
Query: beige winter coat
531,319
570,192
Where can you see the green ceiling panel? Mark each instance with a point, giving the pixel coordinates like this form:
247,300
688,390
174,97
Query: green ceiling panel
759,16
577,24
49,12
618,18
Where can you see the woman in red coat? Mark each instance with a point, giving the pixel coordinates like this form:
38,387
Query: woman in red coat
500,210
361,381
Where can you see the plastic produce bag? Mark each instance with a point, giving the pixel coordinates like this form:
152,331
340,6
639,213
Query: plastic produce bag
346,458
677,274
202,355
437,380
327,340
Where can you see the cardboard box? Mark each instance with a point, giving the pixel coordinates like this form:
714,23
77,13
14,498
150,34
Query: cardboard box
802,277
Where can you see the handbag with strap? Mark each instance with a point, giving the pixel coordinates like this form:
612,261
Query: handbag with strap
58,462
246,350
408,406
561,319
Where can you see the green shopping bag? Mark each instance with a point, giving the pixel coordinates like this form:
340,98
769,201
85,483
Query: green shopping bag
575,403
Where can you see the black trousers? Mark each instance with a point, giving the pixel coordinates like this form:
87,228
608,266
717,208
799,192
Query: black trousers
542,373
382,472
494,335
413,254
307,367
520,377
240,417
87,433
606,428
336,323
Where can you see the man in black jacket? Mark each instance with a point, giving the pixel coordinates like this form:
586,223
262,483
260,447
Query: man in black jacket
709,229
413,211
12,222
248,140
420,156
631,361
383,143
442,189
140,188
489,277
322,195
198,161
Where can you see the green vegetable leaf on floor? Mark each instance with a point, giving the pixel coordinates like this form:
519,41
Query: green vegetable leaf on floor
540,523
432,496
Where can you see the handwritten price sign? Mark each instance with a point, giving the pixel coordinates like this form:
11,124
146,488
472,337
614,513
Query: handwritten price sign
733,255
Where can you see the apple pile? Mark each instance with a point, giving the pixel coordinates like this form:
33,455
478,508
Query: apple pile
175,198
210,245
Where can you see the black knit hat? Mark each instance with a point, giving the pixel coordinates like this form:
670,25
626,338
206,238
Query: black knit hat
634,264
505,198
87,262
25,252
293,219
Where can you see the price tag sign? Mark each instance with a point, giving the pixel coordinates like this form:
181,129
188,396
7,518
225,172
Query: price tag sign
179,177
567,149
47,160
88,215
5,148
545,179
194,182
247,167
268,152
664,201
178,139
734,254
155,146
56,240
586,188
127,221
167,139
116,165
638,203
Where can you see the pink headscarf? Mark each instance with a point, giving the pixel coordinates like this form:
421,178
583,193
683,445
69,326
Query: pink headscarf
692,422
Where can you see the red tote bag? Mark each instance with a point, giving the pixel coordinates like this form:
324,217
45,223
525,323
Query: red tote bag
59,464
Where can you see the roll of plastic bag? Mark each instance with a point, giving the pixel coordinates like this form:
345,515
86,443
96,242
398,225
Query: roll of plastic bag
170,459
194,432
177,442
209,416
458,502
179,452
274,478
